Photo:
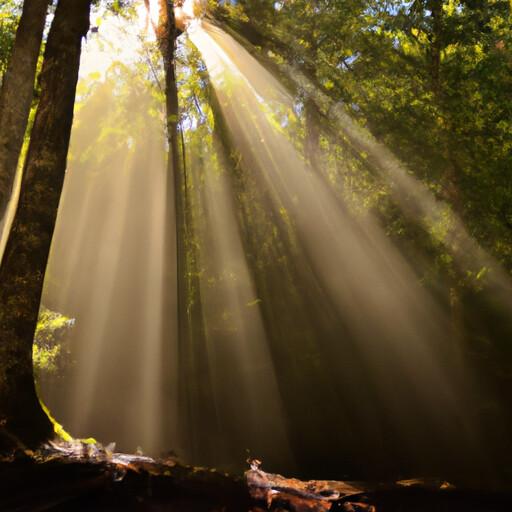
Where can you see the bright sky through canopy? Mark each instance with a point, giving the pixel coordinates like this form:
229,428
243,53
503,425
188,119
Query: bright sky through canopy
115,37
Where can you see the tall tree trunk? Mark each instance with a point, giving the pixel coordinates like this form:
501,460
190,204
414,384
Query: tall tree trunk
311,117
17,93
24,263
436,42
193,401
166,36
177,296
452,171
312,134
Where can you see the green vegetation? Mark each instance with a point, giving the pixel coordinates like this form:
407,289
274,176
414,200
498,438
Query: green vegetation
432,80
51,353
9,13
434,87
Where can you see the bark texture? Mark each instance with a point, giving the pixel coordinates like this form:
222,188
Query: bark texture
24,263
193,401
166,36
176,293
17,93
312,134
436,42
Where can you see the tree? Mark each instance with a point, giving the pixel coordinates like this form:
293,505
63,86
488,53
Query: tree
185,296
17,92
429,79
167,33
23,267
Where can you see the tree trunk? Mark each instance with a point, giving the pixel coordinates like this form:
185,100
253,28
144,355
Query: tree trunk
312,135
177,292
166,36
24,263
17,93
193,400
436,42
452,170
311,117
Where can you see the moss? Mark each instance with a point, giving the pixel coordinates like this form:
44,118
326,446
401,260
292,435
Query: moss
57,427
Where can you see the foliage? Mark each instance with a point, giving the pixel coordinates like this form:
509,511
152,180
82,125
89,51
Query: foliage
9,14
51,354
431,79
449,119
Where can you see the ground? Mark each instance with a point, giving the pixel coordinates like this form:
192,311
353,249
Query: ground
82,477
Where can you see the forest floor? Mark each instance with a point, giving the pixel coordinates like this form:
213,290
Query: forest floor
81,477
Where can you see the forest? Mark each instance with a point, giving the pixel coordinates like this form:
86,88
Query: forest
256,255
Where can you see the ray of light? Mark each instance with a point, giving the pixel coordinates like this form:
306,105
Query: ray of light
401,335
106,270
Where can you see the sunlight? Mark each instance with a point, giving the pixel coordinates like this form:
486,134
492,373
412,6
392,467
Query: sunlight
398,329
246,233
154,11
194,8
188,14
148,20
116,263
237,346
117,40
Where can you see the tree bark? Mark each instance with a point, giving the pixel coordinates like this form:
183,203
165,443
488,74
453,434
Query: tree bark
24,263
17,93
312,134
436,42
177,292
192,400
311,117
166,36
